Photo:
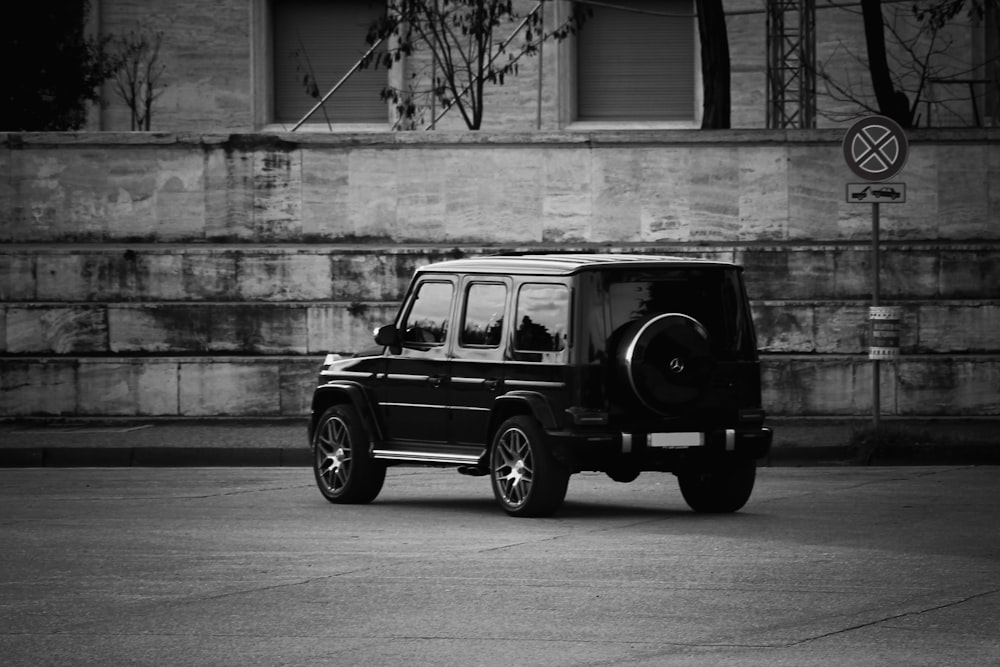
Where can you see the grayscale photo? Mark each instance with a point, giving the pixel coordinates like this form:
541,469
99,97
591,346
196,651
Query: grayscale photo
563,333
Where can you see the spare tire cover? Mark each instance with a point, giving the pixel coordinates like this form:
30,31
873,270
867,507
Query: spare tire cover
666,360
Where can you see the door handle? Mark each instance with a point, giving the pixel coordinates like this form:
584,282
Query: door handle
435,381
493,385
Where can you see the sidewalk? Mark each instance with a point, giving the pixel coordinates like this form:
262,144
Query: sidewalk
241,442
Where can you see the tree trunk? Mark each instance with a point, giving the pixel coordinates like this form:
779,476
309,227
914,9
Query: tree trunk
892,103
714,64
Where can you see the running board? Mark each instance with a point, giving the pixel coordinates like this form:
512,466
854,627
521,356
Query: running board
426,457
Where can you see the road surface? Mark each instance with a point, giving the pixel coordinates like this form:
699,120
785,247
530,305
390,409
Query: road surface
238,566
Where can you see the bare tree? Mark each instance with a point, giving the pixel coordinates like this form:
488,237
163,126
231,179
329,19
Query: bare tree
464,39
137,72
905,55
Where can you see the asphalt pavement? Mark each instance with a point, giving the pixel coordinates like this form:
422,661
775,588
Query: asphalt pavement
826,566
242,442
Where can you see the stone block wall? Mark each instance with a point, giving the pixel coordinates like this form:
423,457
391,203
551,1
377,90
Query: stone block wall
207,275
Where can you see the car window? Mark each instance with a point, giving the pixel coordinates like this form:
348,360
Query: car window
427,321
709,296
482,322
542,318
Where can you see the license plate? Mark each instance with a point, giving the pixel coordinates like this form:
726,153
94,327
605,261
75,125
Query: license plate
684,439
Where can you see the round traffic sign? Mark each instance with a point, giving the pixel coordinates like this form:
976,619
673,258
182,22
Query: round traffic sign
875,148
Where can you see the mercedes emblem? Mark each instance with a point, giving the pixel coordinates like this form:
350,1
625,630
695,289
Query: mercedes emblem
677,365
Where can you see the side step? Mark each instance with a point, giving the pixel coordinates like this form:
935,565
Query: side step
423,454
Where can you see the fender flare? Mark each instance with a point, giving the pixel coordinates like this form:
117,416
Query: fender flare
343,391
537,406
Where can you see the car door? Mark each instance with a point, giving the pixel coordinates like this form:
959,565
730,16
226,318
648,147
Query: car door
478,358
414,390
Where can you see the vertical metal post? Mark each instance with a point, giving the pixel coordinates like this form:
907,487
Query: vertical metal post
876,261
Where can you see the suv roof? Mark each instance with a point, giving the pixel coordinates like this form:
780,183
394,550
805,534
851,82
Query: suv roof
563,264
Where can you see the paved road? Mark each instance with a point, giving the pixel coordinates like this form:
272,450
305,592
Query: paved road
237,566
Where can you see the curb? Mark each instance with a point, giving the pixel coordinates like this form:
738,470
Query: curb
151,457
162,457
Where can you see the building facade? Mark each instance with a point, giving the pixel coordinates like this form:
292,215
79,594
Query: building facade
203,269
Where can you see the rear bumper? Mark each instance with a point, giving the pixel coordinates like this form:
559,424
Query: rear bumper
609,450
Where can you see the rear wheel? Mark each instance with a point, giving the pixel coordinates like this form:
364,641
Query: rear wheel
718,490
345,471
527,480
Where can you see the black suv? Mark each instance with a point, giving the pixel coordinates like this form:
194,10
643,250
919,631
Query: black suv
529,368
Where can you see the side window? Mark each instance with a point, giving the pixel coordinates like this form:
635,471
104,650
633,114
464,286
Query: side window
427,321
542,318
482,322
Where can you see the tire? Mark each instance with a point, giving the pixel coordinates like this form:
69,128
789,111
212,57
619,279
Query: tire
345,471
665,361
718,490
527,481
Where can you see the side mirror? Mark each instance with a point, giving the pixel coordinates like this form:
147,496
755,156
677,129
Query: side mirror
388,336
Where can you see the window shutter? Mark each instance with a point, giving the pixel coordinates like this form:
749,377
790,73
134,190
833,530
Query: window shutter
326,38
637,66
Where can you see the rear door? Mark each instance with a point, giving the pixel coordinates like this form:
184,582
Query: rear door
478,361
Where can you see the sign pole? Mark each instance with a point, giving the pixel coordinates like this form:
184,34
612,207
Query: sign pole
875,149
876,288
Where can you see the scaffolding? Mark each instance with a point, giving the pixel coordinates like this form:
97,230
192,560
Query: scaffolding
791,63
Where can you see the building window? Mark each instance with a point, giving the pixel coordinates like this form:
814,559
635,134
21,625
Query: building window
322,40
638,62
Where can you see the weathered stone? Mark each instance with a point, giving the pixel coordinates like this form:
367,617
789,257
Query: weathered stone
56,330
814,195
298,380
813,386
146,387
959,327
969,273
109,275
17,277
342,328
277,189
566,202
33,387
763,193
195,328
227,387
784,327
949,386
325,195
963,170
90,273
285,276
841,328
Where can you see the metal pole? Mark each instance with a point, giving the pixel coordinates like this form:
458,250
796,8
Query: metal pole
876,371
347,76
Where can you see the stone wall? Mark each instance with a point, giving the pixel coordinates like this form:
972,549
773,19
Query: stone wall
164,275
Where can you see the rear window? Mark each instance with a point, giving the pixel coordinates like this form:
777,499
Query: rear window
713,297
542,318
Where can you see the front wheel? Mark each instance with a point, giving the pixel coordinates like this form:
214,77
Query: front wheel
527,480
345,471
718,490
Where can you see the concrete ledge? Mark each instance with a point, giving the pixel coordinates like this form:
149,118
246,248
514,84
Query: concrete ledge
283,443
117,457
